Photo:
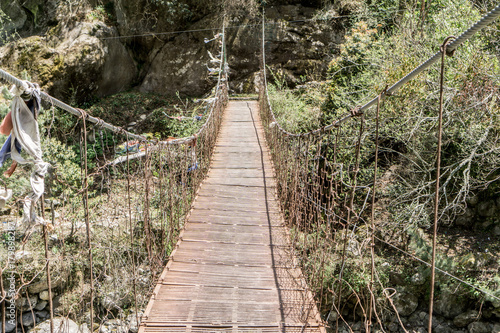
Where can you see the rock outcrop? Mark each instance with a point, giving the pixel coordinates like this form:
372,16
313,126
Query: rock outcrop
66,48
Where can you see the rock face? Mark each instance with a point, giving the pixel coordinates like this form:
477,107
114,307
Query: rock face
66,48
80,66
179,65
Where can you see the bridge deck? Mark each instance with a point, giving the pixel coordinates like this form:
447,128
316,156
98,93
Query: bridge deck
233,270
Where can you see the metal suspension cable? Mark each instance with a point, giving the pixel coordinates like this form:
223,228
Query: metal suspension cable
483,22
54,101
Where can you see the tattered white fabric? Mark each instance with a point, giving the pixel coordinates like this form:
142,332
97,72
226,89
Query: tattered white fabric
5,195
25,131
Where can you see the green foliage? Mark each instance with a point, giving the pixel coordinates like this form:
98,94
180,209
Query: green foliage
99,13
292,110
369,60
64,163
174,9
148,112
4,109
347,84
377,51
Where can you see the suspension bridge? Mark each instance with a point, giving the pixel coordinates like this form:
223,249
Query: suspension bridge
215,210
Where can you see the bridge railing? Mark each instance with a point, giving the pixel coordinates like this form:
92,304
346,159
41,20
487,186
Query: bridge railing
108,225
336,223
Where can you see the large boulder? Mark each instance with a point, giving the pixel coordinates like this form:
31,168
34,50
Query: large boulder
179,66
76,65
67,51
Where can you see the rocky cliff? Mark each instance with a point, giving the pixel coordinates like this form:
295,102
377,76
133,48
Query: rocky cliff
78,50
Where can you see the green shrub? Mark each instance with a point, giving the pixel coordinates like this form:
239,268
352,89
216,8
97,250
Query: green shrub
292,110
63,160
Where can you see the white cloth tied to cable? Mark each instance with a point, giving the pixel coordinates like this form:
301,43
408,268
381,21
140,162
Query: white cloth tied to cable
5,195
25,131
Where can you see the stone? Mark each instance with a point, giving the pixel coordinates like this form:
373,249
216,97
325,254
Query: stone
84,328
27,319
464,319
41,305
38,287
61,325
133,325
44,295
419,330
179,66
474,200
42,285
44,314
332,317
418,279
393,327
486,224
486,208
414,318
495,328
57,303
466,219
77,54
26,304
424,316
9,326
396,278
405,302
443,328
23,255
479,327
116,300
448,305
356,326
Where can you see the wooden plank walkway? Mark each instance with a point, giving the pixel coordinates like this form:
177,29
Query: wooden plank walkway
233,269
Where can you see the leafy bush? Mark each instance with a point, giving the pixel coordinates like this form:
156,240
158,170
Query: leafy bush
63,160
378,51
370,59
292,110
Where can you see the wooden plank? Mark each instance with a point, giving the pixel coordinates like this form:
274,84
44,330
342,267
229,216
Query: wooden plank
233,263
237,202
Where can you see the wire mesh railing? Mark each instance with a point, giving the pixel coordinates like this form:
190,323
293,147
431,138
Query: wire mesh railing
339,213
107,223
